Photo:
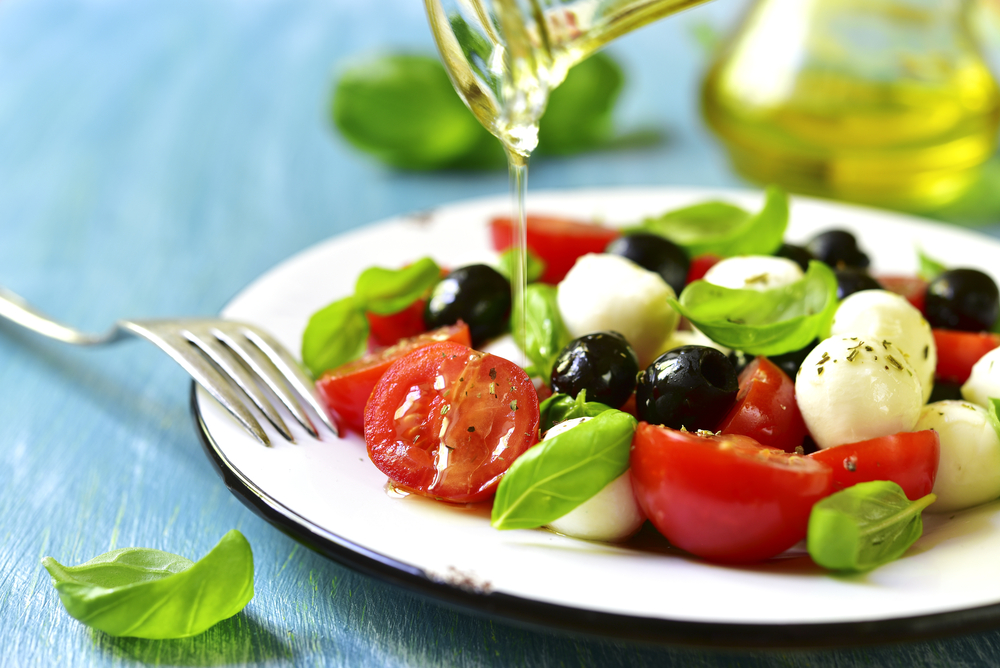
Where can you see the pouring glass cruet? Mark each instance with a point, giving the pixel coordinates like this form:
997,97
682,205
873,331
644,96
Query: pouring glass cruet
505,56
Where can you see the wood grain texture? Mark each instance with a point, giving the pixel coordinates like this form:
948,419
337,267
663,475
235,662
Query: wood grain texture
155,157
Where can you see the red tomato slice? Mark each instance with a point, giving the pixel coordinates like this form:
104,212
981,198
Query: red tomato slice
447,421
558,241
724,498
909,459
765,408
388,330
913,288
958,351
346,389
700,266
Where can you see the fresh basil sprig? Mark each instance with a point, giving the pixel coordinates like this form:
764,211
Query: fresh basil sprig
722,229
766,322
545,334
561,407
338,332
145,593
535,265
557,475
928,268
864,526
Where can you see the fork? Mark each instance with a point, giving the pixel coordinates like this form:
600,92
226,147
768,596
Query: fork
229,359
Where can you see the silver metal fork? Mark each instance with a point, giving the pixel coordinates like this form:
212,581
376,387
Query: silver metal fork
231,360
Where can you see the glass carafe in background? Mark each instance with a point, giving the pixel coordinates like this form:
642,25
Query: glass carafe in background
886,102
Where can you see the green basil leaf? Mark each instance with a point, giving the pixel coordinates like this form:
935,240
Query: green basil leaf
722,229
145,593
555,476
387,291
994,410
335,335
535,265
578,115
767,322
545,335
929,267
562,407
864,526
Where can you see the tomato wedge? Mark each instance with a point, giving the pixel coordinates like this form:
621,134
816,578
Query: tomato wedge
388,330
725,498
765,408
346,389
557,241
700,266
913,288
447,421
909,459
958,351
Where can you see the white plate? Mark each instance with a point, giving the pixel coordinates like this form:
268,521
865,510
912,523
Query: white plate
329,495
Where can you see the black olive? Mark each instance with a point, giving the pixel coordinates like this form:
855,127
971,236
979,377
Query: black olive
476,294
853,279
838,248
963,299
790,362
691,387
602,363
653,252
798,254
944,390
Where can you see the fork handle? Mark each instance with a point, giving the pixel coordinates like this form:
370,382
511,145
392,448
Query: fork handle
13,307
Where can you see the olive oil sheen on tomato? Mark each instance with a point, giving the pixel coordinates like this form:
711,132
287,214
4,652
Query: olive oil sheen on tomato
505,56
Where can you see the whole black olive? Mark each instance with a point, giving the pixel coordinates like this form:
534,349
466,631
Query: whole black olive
653,252
800,255
853,279
476,294
963,299
691,387
838,248
602,363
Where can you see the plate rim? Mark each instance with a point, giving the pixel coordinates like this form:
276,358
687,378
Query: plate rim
547,616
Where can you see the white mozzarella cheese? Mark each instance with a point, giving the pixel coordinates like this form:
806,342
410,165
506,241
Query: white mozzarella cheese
984,382
610,293
754,272
883,315
969,469
851,388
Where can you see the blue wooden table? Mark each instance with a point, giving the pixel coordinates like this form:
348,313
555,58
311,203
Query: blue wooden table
157,156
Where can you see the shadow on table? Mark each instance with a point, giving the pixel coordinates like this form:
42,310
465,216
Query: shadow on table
238,640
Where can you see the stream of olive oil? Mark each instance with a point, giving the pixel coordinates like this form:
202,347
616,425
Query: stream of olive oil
505,56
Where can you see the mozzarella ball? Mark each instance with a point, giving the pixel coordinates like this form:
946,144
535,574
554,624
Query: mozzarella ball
984,383
969,469
610,515
883,315
851,388
754,272
609,293
689,337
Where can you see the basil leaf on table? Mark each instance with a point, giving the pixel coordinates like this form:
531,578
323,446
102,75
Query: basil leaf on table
334,335
929,268
387,291
864,526
555,476
562,407
145,593
766,322
545,335
535,265
722,229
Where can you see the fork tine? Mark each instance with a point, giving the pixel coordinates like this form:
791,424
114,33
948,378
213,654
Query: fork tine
269,373
221,355
206,375
291,371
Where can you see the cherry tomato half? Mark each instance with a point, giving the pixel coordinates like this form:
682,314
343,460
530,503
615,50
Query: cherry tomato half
765,408
447,421
557,241
909,459
958,351
700,266
388,330
913,288
346,389
725,498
